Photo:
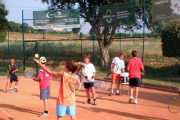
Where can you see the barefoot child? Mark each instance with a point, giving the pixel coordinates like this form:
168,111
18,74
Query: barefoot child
11,71
134,67
44,83
66,99
88,78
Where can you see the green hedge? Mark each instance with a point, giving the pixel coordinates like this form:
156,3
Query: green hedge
171,40
3,36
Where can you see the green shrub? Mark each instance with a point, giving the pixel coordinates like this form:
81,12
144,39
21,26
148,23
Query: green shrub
171,40
3,36
149,35
54,32
137,34
123,35
156,35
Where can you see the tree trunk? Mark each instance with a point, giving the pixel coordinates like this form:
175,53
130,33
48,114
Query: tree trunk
105,56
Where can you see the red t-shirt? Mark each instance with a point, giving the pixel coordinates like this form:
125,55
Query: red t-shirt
44,83
134,65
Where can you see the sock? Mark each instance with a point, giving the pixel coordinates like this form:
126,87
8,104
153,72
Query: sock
15,86
94,99
46,111
135,99
131,97
10,89
89,100
111,91
117,91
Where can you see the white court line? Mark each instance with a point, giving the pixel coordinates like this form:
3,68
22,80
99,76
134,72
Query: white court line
6,113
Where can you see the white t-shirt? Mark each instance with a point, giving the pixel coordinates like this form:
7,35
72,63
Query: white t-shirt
88,71
120,63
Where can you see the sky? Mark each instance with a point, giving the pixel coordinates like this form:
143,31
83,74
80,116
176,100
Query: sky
15,8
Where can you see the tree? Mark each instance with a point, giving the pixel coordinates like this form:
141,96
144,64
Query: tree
86,12
3,21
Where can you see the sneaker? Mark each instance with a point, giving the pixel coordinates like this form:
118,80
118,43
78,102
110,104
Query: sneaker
11,91
111,94
43,114
130,100
87,102
95,102
135,101
117,94
15,89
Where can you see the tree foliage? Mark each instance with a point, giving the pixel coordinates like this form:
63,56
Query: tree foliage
3,20
171,40
17,27
91,15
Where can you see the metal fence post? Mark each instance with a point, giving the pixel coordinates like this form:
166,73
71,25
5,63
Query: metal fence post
43,44
80,37
8,44
36,51
23,40
120,41
143,33
93,34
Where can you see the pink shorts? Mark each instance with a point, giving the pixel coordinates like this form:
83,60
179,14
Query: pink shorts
115,76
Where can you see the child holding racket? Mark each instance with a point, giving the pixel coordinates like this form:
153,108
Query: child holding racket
88,74
44,83
134,67
66,99
11,72
116,74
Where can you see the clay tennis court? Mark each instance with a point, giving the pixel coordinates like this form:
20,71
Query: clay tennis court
26,104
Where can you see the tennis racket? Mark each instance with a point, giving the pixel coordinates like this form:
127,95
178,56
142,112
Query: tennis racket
75,82
115,68
101,85
174,104
30,74
6,85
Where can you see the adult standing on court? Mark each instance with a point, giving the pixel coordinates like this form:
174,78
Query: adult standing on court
116,74
135,66
44,83
11,72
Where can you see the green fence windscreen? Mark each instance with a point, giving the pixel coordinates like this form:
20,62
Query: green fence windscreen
116,15
56,19
163,10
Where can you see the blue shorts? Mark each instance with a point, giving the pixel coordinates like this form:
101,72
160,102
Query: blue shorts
134,82
62,110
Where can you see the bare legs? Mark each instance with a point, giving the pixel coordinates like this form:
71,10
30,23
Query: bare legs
72,117
131,90
87,93
136,92
16,83
45,105
112,85
118,84
10,85
92,91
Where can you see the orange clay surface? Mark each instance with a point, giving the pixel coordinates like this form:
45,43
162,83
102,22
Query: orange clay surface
26,105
